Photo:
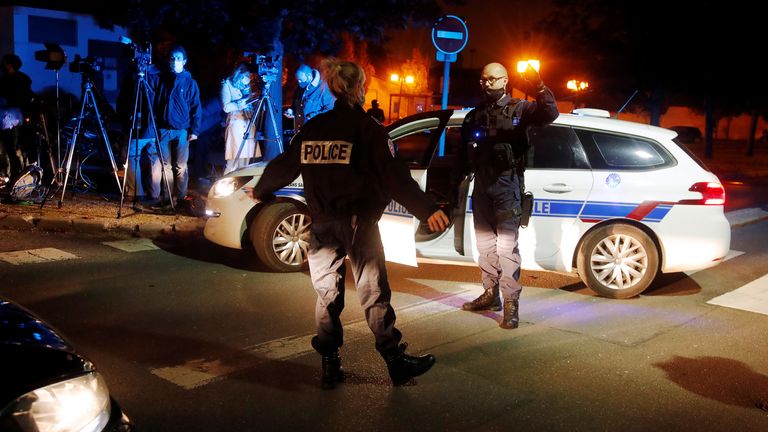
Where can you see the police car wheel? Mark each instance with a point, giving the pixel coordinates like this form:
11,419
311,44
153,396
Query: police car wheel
618,261
280,237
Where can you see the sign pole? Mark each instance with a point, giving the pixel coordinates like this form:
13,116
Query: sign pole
449,36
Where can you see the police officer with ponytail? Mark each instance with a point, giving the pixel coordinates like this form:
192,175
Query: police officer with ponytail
495,144
350,174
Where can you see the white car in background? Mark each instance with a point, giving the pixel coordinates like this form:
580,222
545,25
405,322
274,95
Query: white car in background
615,201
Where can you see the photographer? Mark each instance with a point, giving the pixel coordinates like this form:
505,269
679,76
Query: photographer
15,92
178,114
311,98
236,94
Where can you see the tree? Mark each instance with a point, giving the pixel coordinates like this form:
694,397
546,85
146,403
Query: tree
666,50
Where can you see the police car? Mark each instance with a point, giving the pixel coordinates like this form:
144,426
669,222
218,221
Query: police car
616,202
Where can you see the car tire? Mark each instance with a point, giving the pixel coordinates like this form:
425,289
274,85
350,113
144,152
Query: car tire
618,261
280,237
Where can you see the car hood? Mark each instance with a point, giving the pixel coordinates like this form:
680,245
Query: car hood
34,354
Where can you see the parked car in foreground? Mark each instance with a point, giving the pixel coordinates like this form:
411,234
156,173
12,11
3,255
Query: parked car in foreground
617,202
47,386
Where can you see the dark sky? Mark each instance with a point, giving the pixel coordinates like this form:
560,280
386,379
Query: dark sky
496,32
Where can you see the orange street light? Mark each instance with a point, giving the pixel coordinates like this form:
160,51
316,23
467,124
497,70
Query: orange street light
408,79
577,86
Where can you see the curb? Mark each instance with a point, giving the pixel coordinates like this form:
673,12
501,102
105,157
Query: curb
745,216
99,226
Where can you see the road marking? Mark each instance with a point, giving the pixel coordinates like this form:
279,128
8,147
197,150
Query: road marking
36,256
133,245
197,373
752,297
730,255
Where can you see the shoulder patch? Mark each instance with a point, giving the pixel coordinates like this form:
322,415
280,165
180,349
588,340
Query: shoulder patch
326,152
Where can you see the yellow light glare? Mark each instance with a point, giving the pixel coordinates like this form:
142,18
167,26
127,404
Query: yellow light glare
572,85
409,79
394,77
522,65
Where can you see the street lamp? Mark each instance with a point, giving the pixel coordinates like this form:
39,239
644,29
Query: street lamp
407,79
577,86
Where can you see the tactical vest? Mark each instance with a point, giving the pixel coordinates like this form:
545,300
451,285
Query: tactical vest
497,144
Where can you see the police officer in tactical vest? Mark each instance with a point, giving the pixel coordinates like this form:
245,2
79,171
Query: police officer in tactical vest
495,144
350,174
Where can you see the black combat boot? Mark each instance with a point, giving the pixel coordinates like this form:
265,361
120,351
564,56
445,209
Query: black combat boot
403,367
510,320
488,300
332,371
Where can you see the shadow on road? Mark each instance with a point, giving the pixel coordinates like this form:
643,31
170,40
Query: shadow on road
721,379
200,249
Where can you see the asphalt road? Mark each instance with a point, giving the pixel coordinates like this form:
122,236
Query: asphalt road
193,337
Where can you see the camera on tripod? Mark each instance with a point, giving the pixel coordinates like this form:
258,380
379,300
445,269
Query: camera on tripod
88,65
142,52
268,67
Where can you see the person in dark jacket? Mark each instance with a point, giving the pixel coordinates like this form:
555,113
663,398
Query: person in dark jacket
375,111
15,92
311,98
350,174
178,114
495,144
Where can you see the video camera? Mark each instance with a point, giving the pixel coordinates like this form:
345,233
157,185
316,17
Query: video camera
142,52
267,66
87,65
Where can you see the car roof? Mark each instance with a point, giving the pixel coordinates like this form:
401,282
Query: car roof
592,122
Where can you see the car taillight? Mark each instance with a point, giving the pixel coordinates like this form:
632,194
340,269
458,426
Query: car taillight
712,193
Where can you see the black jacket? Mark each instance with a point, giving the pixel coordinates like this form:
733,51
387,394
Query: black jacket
347,163
175,101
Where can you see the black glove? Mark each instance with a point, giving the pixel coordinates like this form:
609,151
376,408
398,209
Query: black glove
532,77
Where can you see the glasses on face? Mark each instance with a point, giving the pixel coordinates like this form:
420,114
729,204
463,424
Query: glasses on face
491,80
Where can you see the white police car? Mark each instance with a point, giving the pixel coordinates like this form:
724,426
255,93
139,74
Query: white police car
617,202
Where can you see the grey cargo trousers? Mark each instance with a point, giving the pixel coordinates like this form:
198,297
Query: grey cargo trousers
330,243
496,209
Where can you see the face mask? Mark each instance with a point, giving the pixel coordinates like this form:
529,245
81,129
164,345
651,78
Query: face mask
178,66
492,95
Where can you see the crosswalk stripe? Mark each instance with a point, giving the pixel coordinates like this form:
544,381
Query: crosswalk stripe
752,297
197,373
133,245
36,256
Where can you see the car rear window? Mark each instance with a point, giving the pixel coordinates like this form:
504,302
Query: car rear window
623,152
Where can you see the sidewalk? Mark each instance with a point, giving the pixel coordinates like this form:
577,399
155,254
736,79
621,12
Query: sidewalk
91,213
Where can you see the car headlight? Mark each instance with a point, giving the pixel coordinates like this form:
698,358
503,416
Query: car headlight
227,186
79,404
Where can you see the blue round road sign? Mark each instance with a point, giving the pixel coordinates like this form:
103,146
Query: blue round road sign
450,34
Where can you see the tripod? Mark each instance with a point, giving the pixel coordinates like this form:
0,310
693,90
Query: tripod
264,106
142,93
89,102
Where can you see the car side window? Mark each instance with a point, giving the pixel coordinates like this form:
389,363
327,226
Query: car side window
412,147
624,152
555,147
